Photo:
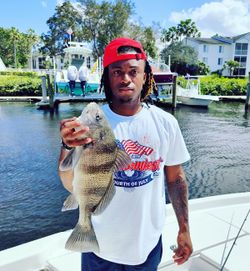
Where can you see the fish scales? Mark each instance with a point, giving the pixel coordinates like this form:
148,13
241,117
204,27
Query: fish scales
93,186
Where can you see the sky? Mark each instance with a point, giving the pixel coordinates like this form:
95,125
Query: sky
223,17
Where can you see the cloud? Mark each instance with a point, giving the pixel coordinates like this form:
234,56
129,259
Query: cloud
59,2
44,4
225,17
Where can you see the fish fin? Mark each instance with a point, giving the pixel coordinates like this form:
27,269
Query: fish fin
82,240
70,203
107,197
70,161
122,160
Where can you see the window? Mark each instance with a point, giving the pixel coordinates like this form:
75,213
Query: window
242,60
205,48
220,61
221,49
205,60
241,48
242,68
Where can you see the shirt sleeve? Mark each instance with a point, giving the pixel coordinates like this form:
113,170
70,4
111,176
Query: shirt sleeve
177,151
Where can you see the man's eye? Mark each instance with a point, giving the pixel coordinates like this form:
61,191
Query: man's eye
133,72
116,73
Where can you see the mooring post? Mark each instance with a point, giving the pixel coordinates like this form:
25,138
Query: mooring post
51,92
174,92
44,90
247,105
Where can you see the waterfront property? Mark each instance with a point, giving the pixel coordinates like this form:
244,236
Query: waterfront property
75,54
215,51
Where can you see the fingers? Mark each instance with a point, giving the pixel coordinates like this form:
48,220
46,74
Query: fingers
73,133
182,254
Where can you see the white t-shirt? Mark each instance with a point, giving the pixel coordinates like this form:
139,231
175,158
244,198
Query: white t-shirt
72,73
130,227
83,73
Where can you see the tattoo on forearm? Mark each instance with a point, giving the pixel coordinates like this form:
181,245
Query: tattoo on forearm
178,193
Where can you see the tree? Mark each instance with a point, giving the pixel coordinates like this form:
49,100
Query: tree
104,22
184,29
65,18
231,65
170,35
187,29
145,35
15,46
183,57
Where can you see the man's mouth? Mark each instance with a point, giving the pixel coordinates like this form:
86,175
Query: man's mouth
125,89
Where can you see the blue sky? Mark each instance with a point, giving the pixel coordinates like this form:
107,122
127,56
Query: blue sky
225,17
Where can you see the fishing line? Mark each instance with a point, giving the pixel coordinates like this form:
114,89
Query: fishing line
235,240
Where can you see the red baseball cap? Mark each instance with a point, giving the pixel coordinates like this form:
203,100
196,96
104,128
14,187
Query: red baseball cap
111,54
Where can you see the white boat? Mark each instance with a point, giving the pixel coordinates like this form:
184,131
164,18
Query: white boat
215,222
190,95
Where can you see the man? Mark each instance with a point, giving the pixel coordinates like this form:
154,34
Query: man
129,230
72,76
83,77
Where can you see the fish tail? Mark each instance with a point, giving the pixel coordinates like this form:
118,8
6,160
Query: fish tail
83,239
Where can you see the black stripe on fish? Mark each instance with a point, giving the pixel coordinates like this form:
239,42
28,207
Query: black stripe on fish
106,148
105,167
98,191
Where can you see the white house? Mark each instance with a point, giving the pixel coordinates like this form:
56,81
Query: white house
215,51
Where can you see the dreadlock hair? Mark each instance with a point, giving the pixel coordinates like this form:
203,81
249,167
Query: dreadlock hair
148,88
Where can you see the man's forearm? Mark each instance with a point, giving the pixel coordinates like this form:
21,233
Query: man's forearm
178,194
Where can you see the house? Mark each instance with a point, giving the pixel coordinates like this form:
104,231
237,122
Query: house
74,54
215,51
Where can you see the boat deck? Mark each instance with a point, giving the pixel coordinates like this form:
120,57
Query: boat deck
213,221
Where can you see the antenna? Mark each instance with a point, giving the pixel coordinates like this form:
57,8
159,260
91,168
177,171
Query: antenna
235,239
225,246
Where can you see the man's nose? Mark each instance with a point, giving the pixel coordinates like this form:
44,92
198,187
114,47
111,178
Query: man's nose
126,78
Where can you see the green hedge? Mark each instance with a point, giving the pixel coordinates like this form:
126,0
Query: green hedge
223,86
20,84
19,73
219,86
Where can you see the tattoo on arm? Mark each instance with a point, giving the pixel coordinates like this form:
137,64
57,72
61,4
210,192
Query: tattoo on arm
178,194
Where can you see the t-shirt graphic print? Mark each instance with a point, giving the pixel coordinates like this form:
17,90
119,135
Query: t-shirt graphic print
141,171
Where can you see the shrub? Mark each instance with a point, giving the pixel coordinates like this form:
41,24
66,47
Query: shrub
215,85
20,84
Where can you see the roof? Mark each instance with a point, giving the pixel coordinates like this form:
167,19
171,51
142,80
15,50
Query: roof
207,40
216,39
239,36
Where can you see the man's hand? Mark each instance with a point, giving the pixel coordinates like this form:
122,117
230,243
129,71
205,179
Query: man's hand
72,132
184,249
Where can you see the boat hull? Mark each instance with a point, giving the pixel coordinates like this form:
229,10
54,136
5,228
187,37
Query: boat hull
194,101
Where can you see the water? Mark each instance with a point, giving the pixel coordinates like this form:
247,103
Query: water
218,140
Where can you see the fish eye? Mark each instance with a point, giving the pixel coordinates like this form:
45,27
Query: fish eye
97,117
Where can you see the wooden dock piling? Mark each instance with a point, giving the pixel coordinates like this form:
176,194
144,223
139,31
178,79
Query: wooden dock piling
247,105
174,92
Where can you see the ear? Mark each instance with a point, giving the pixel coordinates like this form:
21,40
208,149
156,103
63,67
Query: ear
144,78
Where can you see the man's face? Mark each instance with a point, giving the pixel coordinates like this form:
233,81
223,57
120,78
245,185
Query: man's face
126,79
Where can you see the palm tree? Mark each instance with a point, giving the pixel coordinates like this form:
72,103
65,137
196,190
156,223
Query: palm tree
231,65
187,29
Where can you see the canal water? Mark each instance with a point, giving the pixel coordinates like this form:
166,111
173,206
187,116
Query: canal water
217,138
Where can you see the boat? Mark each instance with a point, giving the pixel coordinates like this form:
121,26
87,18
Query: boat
190,95
216,224
62,83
